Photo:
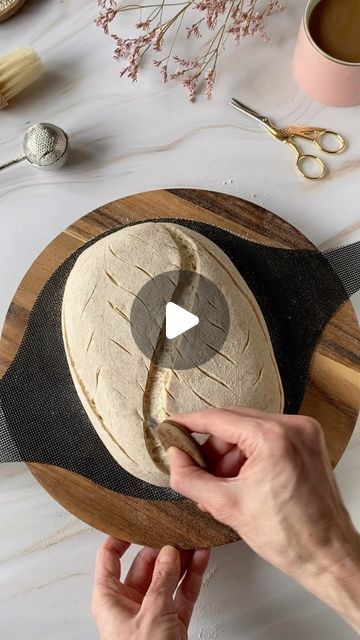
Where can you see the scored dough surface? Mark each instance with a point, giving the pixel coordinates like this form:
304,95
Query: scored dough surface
121,390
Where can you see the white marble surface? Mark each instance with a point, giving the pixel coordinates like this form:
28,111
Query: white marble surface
130,138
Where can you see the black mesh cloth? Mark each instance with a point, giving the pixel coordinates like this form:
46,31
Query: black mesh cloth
346,263
297,291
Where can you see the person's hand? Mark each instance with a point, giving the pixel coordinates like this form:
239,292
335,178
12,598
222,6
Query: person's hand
271,480
143,605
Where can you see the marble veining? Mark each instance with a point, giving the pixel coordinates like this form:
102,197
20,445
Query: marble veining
126,139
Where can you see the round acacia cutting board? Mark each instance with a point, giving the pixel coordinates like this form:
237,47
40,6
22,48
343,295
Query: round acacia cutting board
332,394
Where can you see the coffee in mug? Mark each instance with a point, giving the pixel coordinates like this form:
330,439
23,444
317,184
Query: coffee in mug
335,27
327,54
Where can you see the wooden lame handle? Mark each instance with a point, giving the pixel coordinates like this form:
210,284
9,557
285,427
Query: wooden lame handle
172,434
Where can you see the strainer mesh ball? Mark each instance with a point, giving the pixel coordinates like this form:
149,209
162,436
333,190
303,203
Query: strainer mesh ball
45,144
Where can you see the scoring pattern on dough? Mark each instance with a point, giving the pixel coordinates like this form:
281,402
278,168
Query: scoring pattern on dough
125,394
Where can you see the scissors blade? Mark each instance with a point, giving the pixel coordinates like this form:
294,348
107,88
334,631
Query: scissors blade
263,120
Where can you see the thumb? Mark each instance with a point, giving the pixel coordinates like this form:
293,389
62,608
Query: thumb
166,576
189,480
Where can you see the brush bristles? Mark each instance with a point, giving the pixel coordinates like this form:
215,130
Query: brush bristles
18,70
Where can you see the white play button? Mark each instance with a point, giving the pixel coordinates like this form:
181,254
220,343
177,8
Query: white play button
178,320
157,322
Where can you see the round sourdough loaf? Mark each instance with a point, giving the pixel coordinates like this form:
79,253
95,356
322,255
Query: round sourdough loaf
123,392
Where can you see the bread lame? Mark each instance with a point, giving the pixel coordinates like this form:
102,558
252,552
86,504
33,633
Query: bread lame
172,434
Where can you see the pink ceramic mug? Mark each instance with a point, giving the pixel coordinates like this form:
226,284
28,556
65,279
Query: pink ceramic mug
323,77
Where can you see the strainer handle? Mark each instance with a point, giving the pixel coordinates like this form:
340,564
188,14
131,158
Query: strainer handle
8,164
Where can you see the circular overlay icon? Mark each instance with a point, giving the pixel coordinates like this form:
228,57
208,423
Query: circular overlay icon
179,320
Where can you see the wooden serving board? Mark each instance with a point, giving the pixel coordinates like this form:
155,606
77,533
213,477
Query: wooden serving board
332,395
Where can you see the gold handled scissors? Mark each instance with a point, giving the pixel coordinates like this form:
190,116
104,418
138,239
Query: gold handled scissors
313,134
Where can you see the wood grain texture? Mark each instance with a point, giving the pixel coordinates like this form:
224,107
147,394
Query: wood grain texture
332,395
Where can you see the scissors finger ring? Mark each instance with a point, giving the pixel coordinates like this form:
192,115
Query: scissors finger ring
316,163
321,144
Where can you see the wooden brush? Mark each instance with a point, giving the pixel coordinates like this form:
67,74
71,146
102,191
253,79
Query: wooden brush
18,70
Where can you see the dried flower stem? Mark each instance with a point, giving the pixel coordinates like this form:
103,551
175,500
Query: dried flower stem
236,18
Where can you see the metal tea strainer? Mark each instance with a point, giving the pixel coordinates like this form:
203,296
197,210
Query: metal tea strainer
45,146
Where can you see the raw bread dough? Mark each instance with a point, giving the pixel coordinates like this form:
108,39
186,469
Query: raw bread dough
122,391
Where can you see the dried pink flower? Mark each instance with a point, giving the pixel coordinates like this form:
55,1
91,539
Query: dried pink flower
191,84
157,40
164,72
210,80
104,20
193,31
224,18
144,24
